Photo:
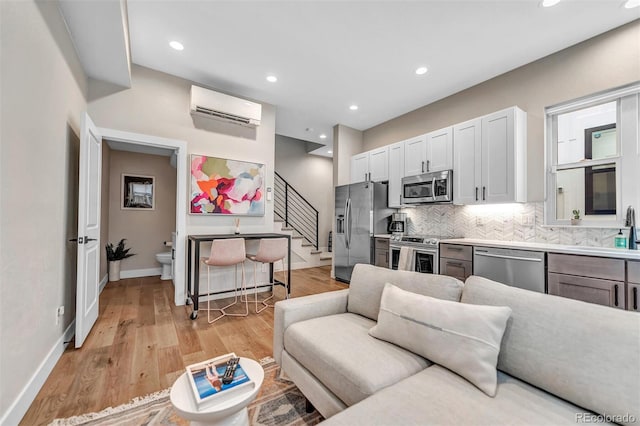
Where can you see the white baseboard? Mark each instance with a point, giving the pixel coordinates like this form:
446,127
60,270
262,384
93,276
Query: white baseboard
137,273
23,401
103,282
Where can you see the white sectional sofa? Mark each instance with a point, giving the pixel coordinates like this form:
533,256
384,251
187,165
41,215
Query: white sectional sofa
560,361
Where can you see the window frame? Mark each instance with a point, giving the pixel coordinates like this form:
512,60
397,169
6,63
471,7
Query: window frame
551,156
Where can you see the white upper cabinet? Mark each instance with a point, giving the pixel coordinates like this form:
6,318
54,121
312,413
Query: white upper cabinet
370,166
439,150
396,173
467,165
415,155
432,152
379,164
360,167
489,158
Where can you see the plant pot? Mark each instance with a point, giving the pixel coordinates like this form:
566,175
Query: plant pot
114,270
576,221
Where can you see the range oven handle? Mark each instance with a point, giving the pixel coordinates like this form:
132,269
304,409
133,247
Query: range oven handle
501,256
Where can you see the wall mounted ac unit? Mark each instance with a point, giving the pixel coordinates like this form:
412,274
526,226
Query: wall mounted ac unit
210,104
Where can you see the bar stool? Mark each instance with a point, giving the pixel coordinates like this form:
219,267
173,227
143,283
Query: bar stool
270,251
227,252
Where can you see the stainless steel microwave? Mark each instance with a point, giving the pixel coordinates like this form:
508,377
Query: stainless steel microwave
435,187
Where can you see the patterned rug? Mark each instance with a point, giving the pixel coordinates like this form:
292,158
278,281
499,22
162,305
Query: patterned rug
278,403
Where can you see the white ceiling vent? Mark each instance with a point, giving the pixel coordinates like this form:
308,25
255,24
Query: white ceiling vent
210,104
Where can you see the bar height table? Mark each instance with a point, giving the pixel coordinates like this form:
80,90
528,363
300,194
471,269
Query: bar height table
193,258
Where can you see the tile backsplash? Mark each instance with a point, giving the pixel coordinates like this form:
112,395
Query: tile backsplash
507,222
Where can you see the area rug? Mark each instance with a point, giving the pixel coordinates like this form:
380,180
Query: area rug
278,403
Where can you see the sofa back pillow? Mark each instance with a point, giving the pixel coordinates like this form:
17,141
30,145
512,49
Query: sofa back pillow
367,283
587,354
461,337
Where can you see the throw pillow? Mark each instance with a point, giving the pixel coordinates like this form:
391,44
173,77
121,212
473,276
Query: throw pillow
462,337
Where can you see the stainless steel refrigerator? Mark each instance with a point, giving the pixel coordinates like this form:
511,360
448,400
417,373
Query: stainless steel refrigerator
361,212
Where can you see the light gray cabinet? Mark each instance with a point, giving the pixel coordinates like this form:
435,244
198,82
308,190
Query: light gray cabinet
590,279
382,252
633,286
456,260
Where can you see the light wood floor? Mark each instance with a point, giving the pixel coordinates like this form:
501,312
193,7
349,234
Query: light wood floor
142,342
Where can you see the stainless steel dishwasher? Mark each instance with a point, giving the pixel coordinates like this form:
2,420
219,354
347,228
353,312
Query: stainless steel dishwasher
518,268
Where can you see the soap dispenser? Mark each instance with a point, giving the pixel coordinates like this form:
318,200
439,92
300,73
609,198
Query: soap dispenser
620,241
631,223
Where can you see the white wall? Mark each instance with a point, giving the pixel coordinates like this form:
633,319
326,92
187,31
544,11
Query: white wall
311,176
157,104
43,95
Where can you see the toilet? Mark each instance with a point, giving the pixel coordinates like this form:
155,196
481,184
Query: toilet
166,261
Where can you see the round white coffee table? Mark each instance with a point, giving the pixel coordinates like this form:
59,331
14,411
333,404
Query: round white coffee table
229,412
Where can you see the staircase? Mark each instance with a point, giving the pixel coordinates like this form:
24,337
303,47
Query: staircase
295,216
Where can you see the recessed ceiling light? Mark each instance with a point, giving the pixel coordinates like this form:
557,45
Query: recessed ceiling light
353,107
421,70
329,152
630,4
272,78
549,3
323,136
176,45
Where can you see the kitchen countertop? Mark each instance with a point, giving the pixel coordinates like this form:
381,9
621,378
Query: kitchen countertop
548,247
382,236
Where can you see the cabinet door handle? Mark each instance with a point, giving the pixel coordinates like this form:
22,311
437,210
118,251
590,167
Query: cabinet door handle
455,264
454,248
484,193
615,294
476,193
428,164
423,167
635,298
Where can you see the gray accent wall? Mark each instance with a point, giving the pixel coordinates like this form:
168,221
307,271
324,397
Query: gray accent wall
606,61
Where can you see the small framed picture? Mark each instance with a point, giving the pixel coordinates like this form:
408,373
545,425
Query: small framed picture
138,192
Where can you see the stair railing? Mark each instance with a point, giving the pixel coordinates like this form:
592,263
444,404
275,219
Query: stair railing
295,210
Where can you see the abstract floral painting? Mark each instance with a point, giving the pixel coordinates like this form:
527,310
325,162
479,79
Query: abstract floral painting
223,186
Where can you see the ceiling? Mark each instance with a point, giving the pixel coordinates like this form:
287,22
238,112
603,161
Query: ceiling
328,55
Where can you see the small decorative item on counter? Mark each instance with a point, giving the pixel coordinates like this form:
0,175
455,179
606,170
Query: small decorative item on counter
575,220
620,241
237,222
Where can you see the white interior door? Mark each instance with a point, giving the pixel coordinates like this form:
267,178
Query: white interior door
87,294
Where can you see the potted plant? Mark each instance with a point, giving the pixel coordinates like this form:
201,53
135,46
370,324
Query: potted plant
114,256
575,220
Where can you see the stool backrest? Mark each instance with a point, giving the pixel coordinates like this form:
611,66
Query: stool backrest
226,252
272,249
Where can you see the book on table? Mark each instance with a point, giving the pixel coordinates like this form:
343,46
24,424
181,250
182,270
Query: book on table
205,379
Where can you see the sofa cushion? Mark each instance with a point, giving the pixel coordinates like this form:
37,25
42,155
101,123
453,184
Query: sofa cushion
367,283
585,353
464,338
338,350
436,396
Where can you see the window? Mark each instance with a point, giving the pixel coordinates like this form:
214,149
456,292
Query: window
591,144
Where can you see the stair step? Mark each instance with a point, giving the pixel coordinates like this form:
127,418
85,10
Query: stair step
307,244
326,256
279,220
284,228
316,251
297,237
